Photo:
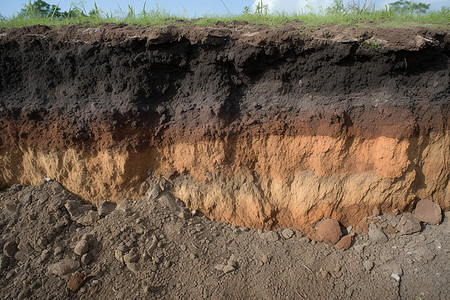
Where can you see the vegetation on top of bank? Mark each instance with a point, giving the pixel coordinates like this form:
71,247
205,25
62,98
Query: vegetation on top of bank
401,12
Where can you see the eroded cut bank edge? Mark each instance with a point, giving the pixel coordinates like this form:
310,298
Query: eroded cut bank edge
258,183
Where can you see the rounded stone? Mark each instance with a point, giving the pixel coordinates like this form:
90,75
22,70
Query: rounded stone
328,231
81,248
428,212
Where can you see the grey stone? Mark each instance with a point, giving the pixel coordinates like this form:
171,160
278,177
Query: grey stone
63,267
88,218
132,256
287,233
232,261
395,276
153,191
219,267
81,248
134,267
368,265
76,210
105,208
408,224
120,253
228,269
376,235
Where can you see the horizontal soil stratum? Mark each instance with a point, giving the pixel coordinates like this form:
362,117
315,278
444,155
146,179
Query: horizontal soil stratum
258,127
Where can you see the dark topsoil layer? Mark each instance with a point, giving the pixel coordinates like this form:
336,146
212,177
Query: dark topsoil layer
130,81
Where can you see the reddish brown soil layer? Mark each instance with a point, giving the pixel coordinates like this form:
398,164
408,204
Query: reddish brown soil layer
255,126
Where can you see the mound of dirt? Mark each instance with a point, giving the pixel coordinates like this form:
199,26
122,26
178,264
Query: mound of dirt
56,246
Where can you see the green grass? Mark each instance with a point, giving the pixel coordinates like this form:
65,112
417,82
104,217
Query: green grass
338,14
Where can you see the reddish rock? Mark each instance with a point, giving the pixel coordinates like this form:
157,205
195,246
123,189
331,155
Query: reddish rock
328,231
408,224
428,212
345,242
363,225
391,230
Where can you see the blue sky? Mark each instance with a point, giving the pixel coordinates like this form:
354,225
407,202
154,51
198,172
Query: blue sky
196,8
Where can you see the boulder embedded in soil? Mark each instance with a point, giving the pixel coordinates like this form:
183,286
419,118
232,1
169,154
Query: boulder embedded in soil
428,212
105,208
77,210
328,231
376,235
81,248
345,242
408,224
132,256
63,267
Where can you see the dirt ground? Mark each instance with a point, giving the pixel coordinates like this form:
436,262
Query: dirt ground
155,249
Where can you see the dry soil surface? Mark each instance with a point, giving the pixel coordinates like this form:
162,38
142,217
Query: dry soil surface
55,246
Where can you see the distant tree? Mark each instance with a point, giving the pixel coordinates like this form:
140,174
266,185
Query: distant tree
405,6
40,9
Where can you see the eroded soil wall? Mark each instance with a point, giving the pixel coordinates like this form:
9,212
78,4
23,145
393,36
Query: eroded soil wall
254,126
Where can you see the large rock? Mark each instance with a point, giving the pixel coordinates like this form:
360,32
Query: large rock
409,224
81,248
105,208
428,212
132,256
78,212
345,242
88,218
376,235
328,231
63,267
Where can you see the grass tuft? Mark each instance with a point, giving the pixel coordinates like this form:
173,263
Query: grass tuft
353,14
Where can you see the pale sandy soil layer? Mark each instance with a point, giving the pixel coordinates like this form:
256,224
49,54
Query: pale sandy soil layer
254,126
